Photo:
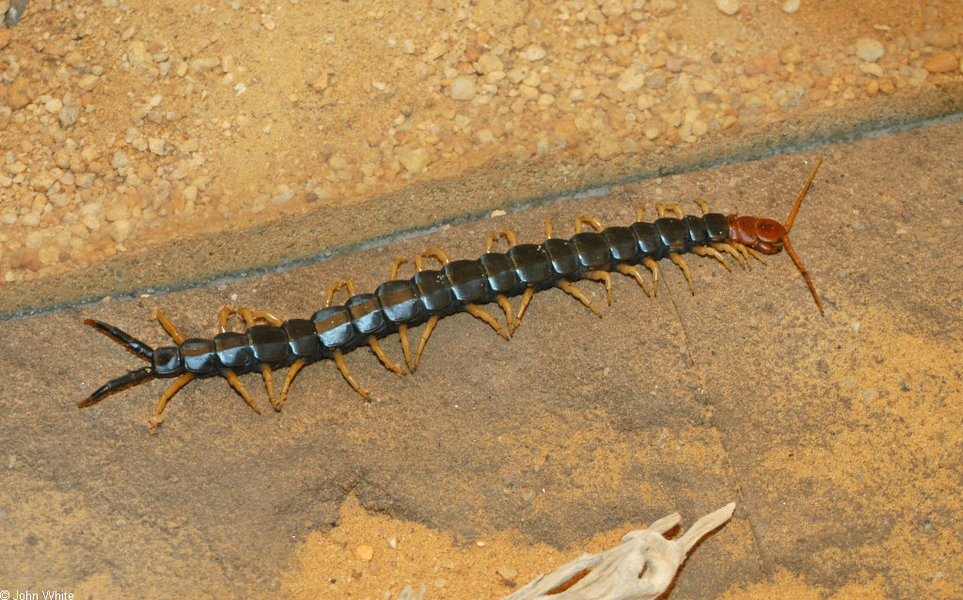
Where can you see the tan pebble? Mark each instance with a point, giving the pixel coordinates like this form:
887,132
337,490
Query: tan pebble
869,49
5,37
941,62
120,230
364,552
137,54
20,93
507,572
791,54
630,80
462,88
268,22
790,6
939,39
190,193
88,82
157,146
120,160
488,63
34,239
42,181
729,7
117,211
320,82
205,64
533,53
415,160
871,68
74,59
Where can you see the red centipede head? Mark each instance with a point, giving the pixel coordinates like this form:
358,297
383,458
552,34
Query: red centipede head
768,236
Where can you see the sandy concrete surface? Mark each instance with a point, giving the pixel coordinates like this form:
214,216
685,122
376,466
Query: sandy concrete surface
838,436
161,145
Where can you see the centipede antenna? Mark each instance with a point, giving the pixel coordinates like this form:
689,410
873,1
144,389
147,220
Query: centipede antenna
802,269
802,194
136,346
129,379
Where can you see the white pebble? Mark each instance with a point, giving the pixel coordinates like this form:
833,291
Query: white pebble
729,7
790,6
869,49
415,160
462,88
533,53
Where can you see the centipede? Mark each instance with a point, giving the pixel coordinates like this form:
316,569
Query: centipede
269,343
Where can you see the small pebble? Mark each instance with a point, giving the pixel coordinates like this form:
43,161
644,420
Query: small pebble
941,62
790,6
88,82
507,572
729,7
416,160
869,49
364,552
462,88
533,53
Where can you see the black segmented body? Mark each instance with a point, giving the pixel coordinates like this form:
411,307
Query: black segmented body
438,293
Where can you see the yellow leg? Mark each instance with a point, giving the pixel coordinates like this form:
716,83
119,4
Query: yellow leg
346,373
507,308
405,346
703,205
380,353
604,277
480,313
429,327
158,315
731,251
158,417
633,272
653,266
298,364
640,213
508,234
685,270
707,251
573,291
237,385
589,220
526,298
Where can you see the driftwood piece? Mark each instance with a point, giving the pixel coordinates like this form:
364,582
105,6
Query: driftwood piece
640,568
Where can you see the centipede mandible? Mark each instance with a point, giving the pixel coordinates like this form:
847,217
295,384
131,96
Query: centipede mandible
594,252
